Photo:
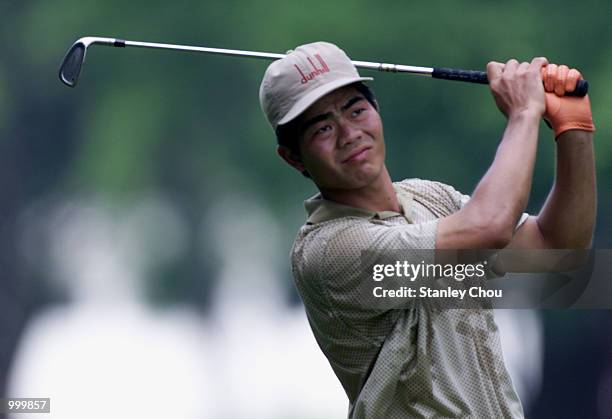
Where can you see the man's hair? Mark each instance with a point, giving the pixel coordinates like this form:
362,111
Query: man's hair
288,135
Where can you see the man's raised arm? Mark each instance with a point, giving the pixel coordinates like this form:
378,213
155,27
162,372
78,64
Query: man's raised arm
488,220
567,218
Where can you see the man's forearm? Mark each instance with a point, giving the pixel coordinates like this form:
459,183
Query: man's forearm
504,190
487,220
568,216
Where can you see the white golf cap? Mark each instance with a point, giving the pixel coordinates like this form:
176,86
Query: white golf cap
291,84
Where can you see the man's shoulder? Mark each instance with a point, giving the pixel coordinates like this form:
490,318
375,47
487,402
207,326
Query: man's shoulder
344,237
424,186
433,193
316,236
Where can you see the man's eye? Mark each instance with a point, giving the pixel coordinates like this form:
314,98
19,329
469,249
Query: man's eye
358,111
323,129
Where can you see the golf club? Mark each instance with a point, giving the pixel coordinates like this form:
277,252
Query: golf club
75,57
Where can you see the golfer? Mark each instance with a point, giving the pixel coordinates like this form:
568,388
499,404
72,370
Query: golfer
415,362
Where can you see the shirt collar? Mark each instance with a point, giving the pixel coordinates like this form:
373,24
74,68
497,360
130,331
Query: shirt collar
320,209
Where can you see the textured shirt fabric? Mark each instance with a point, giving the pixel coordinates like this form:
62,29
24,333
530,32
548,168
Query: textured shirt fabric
408,363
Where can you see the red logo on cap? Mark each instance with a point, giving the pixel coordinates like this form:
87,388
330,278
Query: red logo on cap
306,77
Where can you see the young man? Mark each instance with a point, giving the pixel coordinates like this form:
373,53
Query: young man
415,362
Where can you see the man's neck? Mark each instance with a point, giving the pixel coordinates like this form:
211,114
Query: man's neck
377,196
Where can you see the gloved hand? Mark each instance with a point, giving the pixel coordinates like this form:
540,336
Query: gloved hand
564,113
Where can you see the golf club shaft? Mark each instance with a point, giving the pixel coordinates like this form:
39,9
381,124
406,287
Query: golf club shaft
438,72
397,68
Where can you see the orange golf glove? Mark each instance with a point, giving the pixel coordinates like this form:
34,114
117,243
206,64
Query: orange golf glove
564,113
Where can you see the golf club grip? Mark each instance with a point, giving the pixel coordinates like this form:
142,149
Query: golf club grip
472,76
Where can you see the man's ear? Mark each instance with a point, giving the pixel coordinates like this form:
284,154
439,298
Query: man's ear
291,158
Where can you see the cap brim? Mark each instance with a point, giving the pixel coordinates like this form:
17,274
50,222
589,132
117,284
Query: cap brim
305,102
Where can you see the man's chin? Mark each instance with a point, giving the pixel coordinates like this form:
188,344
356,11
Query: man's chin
357,177
362,178
366,174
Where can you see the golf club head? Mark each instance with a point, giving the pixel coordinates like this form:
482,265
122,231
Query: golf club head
75,57
71,66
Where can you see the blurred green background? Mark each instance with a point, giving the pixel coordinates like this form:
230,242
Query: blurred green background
188,127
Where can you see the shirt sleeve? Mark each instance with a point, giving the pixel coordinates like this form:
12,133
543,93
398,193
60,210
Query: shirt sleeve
350,255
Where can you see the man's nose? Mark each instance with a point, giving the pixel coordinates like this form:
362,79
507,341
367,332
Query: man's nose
349,133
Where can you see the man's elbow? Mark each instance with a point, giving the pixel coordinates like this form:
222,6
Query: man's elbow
578,243
578,239
473,229
496,233
492,232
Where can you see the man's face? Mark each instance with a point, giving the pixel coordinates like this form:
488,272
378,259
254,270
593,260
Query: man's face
341,141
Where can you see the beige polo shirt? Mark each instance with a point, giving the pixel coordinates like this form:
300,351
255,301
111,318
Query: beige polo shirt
408,363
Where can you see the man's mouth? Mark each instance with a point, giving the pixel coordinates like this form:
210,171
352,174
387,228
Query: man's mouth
357,155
